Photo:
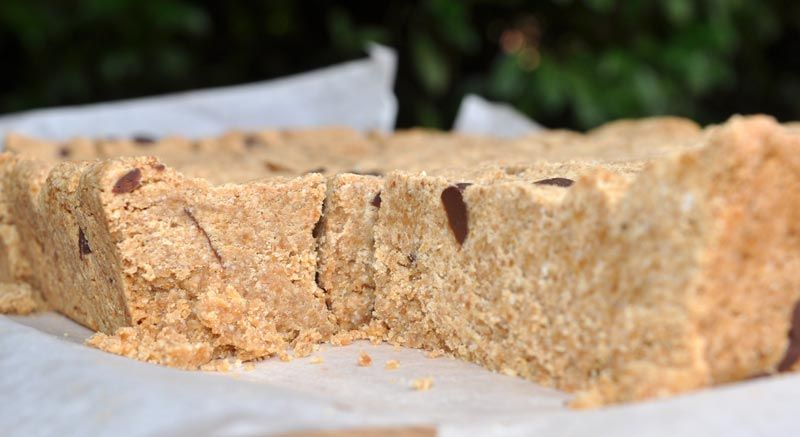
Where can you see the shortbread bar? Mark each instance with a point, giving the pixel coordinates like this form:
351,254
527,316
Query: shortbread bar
616,286
171,269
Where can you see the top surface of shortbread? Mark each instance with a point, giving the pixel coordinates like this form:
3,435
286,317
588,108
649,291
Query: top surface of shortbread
242,156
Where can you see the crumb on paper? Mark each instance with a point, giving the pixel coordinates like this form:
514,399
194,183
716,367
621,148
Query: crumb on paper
342,339
364,360
509,372
249,366
285,357
221,365
434,353
422,384
396,347
316,359
392,364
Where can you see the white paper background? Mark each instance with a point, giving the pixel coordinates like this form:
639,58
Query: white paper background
53,385
477,115
50,384
357,94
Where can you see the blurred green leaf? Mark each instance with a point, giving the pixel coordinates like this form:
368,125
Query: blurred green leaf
454,24
120,65
430,64
600,6
679,12
568,63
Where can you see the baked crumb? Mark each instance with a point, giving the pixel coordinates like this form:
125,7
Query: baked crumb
375,332
222,365
316,359
422,384
364,360
285,357
434,353
249,366
342,338
392,364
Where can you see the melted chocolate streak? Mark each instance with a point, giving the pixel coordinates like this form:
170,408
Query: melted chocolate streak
205,234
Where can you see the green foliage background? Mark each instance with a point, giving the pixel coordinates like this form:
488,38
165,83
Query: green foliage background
567,63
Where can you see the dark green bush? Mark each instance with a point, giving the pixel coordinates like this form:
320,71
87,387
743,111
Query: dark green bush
567,63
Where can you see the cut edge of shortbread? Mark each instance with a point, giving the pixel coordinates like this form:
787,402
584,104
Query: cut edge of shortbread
173,270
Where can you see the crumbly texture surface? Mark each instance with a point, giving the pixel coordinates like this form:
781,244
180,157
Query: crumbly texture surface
618,287
627,140
20,298
345,237
641,259
13,265
231,157
171,269
345,254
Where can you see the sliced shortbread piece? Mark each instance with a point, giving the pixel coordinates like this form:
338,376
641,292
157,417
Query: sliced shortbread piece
619,287
177,271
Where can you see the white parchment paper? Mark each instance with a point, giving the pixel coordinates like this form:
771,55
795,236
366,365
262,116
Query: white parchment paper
477,115
357,94
51,384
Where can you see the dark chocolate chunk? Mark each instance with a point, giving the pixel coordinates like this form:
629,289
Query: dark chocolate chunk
143,139
205,234
559,182
251,141
456,209
412,258
366,172
271,166
376,201
128,182
64,152
793,350
159,166
83,244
